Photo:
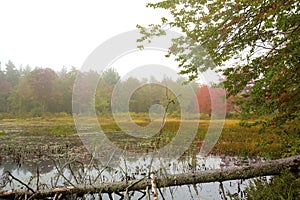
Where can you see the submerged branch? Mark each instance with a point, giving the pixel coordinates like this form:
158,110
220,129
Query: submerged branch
272,167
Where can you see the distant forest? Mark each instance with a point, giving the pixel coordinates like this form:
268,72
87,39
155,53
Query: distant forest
40,91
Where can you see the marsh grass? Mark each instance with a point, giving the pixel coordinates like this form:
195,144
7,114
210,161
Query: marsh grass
285,186
29,138
235,140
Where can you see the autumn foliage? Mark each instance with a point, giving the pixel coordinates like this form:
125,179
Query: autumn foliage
212,101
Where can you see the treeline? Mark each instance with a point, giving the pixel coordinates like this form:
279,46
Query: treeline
26,91
38,91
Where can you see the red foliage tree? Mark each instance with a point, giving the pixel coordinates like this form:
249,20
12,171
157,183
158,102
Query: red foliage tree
40,86
5,87
206,95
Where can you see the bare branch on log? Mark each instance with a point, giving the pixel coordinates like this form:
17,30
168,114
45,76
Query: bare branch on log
153,184
272,167
21,182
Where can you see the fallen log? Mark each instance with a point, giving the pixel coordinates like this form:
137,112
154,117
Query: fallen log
272,167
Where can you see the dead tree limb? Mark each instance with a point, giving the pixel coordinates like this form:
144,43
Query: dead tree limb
21,182
272,167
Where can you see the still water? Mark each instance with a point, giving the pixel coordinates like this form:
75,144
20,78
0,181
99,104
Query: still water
48,162
132,169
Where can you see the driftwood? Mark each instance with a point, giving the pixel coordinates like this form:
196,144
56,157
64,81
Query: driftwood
272,167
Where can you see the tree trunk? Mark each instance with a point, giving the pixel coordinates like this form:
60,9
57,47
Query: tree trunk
272,167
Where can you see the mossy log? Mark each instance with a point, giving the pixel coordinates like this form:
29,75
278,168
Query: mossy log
272,167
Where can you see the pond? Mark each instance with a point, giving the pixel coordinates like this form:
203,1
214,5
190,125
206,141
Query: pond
46,161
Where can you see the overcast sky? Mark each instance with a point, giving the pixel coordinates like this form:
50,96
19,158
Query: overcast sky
56,33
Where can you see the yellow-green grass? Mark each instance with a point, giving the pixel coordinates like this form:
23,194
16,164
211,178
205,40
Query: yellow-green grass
234,139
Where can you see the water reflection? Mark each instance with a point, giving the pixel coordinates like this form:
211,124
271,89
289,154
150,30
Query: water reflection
92,173
63,161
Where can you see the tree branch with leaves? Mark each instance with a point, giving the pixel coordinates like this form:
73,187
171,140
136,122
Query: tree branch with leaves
254,44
